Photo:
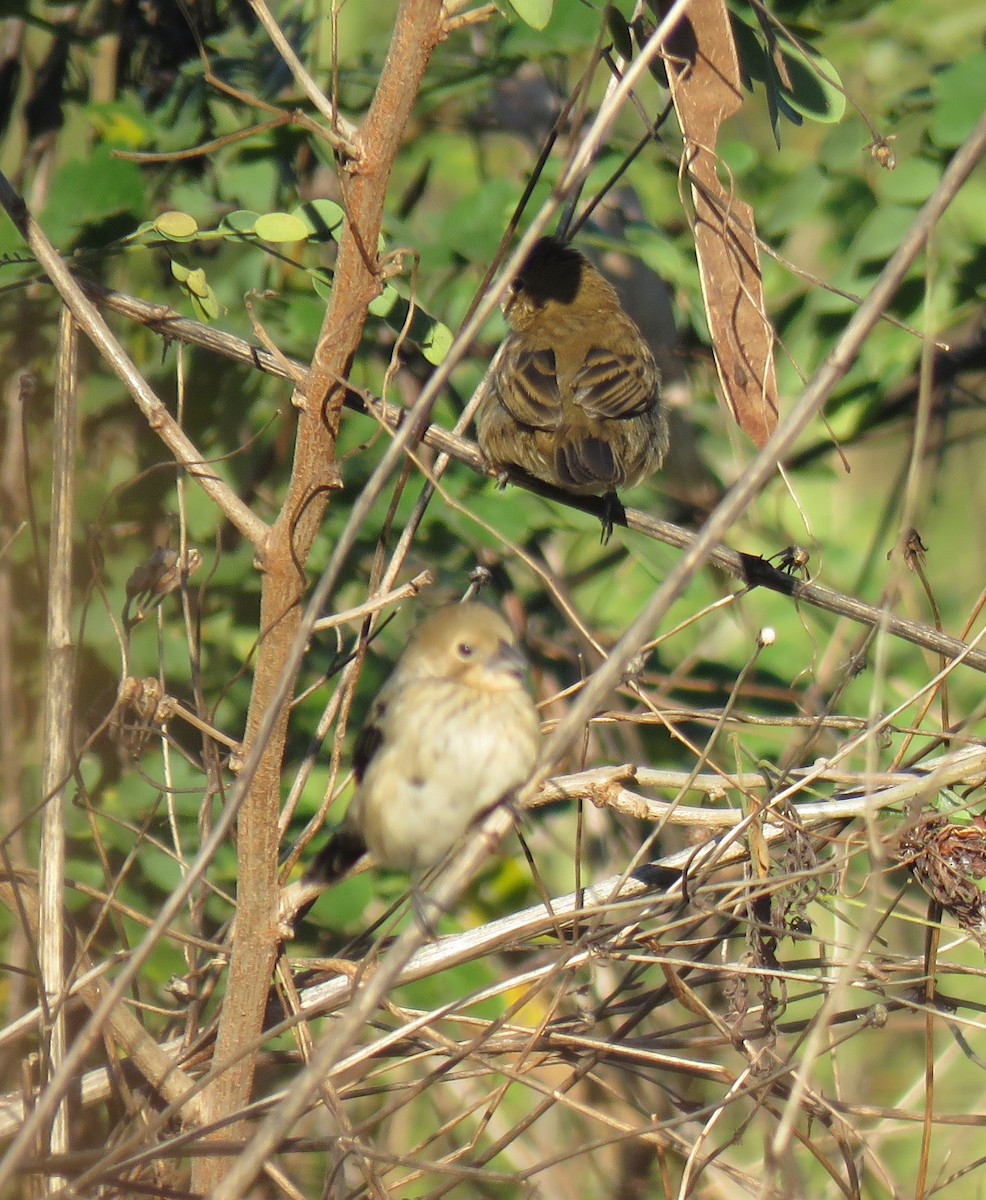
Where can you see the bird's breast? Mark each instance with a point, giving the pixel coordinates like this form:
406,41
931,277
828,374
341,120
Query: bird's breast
469,748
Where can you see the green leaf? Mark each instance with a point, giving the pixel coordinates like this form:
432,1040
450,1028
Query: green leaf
814,89
536,13
322,283
144,228
242,221
87,190
177,226
321,218
436,342
803,84
197,283
756,67
384,304
959,91
207,308
120,124
194,284
619,31
753,63
642,29
431,336
281,227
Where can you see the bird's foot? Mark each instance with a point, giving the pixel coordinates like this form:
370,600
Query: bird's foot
613,514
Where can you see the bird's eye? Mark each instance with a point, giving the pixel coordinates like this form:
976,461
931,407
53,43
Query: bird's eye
465,650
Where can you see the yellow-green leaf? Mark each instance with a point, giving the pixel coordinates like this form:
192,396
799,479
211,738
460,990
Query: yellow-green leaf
281,227
241,221
536,13
320,217
207,307
436,342
178,226
197,283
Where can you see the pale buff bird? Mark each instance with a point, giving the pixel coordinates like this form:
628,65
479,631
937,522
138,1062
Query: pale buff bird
452,732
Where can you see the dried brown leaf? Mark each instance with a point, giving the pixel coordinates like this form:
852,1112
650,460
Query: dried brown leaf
703,72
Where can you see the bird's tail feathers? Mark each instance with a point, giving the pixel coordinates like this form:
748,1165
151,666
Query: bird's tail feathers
343,850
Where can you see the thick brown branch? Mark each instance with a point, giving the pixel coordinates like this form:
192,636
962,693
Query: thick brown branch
417,31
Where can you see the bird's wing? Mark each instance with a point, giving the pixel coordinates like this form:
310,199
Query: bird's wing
526,382
612,385
369,739
346,846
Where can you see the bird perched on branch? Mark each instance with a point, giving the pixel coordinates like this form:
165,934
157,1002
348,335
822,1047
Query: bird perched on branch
452,732
575,394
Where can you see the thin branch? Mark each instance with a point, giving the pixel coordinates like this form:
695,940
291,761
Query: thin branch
58,700
753,570
315,474
109,1001
891,791
464,865
160,420
735,502
158,1064
343,134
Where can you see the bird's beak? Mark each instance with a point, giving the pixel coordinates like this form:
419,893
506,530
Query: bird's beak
509,660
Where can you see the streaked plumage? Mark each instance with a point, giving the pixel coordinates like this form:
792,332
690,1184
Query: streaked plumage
452,732
575,398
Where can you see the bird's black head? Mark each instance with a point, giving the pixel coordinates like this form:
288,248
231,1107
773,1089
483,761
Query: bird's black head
552,271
